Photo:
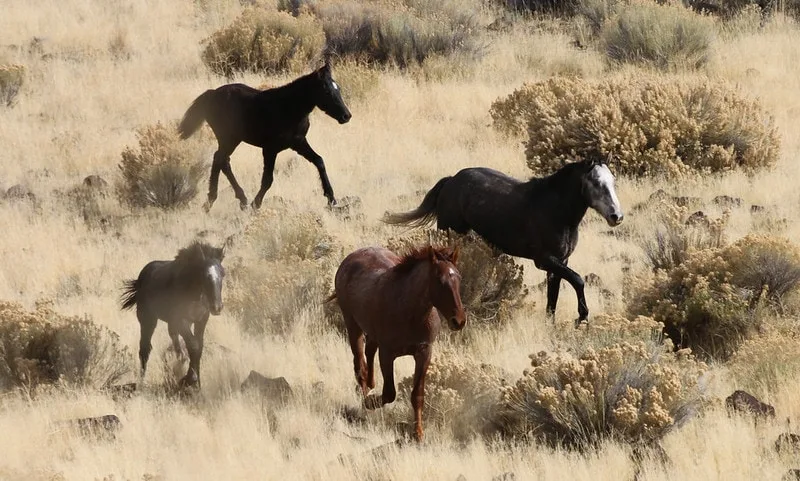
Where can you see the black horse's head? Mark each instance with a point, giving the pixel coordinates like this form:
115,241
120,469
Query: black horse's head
328,97
598,188
203,273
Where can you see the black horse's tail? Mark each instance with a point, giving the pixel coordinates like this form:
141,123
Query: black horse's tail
422,215
129,290
195,116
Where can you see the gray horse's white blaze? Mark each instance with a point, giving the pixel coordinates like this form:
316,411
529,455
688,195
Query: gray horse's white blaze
602,195
214,275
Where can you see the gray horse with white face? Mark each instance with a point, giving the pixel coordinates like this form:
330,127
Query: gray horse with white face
537,219
183,293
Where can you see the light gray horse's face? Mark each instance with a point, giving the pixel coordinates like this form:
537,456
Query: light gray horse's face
599,189
214,274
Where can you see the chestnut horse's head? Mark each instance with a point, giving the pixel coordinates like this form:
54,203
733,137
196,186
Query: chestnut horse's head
445,290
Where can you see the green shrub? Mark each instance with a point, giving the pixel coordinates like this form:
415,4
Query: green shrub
402,33
666,37
632,393
12,77
45,347
164,171
491,282
713,300
264,41
652,125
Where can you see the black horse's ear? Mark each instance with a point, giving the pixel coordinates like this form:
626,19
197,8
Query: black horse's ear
221,253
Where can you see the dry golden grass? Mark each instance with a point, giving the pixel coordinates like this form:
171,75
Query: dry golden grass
101,69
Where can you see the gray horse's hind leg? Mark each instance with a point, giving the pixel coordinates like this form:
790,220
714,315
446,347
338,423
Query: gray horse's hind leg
147,323
559,269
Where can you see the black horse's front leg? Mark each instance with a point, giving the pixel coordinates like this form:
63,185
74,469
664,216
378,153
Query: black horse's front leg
302,148
559,269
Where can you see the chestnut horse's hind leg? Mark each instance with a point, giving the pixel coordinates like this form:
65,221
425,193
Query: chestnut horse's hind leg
356,337
372,348
389,394
302,148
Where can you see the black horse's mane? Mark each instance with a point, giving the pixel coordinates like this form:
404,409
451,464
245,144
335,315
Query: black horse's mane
197,253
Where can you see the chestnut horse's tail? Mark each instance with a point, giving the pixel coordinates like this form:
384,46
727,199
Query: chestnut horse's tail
195,116
422,215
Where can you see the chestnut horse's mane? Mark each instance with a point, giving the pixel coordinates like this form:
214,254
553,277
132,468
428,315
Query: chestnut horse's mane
417,254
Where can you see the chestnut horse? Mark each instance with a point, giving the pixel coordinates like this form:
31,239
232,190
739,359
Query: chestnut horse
389,300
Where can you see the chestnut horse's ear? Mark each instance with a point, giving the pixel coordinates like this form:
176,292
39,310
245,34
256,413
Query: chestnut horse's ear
455,254
432,254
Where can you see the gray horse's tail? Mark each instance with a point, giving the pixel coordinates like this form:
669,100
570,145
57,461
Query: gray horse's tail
422,215
129,290
195,115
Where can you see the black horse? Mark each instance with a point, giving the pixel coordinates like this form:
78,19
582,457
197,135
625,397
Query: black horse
537,219
181,292
274,119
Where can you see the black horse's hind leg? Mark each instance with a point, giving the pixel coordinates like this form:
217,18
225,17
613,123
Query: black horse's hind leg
266,176
147,323
222,163
302,148
559,269
553,286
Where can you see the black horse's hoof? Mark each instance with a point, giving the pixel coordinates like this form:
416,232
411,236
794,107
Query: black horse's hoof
243,204
332,202
581,320
207,206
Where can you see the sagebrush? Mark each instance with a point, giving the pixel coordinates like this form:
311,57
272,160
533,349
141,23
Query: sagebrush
12,77
665,37
264,40
289,268
653,126
164,171
45,347
715,298
633,393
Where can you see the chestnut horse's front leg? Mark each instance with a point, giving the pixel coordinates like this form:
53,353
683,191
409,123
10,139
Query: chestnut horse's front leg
422,359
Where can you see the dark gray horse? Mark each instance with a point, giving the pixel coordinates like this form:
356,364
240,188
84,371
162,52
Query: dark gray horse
274,119
182,292
537,219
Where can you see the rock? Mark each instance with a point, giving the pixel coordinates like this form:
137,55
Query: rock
507,476
791,475
698,218
122,391
727,201
745,402
277,388
757,209
788,442
96,183
20,192
461,477
592,279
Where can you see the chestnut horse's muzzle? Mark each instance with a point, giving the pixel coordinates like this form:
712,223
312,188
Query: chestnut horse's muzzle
457,324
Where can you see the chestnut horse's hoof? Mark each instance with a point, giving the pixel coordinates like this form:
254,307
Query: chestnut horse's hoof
373,401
